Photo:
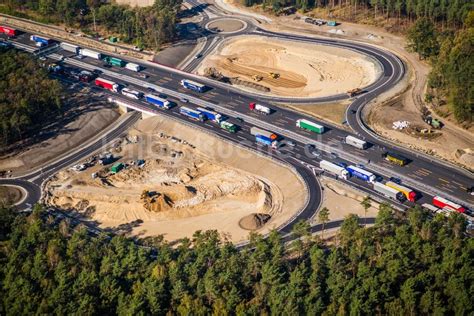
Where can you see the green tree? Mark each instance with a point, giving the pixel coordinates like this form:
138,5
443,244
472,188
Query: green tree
422,38
323,218
366,204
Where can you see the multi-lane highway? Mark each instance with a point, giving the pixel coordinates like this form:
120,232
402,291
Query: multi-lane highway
425,174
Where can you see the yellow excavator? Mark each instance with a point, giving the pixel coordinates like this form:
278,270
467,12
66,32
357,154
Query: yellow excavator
273,75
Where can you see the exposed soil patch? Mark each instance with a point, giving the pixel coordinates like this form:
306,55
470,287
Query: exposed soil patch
189,181
10,195
225,25
291,68
254,221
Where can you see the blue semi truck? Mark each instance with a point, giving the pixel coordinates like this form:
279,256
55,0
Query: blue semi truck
194,114
211,115
193,85
155,100
361,174
40,41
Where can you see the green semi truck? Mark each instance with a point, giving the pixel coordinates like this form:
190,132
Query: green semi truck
232,128
310,126
115,61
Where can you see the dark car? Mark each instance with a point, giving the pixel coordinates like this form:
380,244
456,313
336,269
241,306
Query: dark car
106,66
396,180
239,119
150,89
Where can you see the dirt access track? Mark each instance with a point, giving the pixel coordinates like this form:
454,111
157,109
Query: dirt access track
302,70
195,181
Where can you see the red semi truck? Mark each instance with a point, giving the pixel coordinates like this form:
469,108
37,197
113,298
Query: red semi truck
8,31
444,203
107,84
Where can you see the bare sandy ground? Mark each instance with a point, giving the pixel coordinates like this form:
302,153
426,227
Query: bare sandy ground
342,200
334,113
138,3
200,182
303,70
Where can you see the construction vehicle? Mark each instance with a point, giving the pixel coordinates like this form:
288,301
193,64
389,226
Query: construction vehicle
433,122
257,78
273,75
353,92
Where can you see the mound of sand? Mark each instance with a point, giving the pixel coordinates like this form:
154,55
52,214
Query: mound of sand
190,181
302,70
254,221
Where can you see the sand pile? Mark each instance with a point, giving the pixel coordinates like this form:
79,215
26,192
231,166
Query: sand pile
190,181
254,221
292,68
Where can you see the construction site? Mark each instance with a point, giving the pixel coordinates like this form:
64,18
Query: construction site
287,68
164,178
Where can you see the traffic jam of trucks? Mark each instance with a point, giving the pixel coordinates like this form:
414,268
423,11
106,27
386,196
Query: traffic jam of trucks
389,189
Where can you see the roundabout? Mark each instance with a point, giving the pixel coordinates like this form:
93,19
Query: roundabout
226,26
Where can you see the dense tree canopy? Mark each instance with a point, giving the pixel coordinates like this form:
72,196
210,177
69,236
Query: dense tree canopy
148,27
449,13
451,54
28,97
400,266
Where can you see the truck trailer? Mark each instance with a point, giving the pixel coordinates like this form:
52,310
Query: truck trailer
310,126
441,202
130,93
389,192
10,32
258,131
260,108
333,168
40,39
409,193
355,142
117,62
361,173
430,207
70,48
267,141
107,84
90,53
133,67
395,158
232,128
194,114
211,115
193,85
159,102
